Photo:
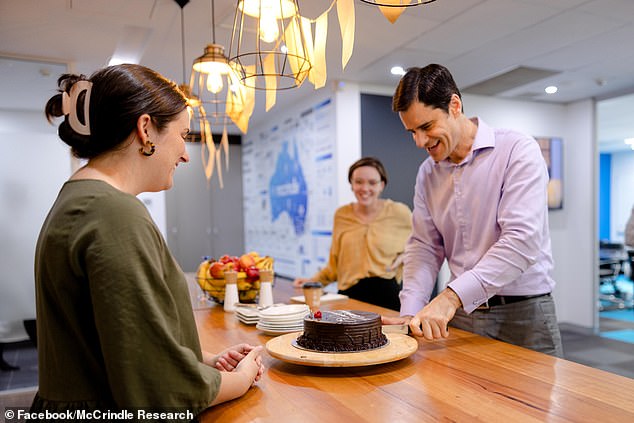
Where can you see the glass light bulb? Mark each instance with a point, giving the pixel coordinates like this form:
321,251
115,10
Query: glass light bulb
551,89
397,70
214,82
268,25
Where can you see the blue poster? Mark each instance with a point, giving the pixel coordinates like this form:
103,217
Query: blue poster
290,190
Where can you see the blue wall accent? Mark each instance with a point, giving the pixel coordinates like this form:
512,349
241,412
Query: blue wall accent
605,178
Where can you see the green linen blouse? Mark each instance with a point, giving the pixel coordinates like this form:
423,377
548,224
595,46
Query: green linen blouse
115,324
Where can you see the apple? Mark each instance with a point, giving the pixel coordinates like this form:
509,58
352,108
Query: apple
247,261
216,270
253,273
230,265
225,259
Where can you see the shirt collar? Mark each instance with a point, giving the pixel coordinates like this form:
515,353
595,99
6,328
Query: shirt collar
485,138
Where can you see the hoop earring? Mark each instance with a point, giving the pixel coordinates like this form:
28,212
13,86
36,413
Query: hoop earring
148,153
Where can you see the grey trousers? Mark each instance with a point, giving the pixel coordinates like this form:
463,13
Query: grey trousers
530,323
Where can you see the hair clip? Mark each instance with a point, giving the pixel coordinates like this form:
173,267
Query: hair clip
69,106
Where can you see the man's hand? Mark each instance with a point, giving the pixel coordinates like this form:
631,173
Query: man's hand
431,322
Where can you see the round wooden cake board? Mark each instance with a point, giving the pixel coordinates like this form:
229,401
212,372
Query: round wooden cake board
400,346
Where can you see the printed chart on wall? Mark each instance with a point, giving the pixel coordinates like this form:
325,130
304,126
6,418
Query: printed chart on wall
289,188
552,151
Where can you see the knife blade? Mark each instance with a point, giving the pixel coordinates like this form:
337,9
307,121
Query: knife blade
403,328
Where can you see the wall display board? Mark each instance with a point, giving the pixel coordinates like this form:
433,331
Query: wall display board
552,150
289,185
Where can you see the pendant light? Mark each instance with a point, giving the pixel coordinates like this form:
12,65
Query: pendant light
192,101
213,63
268,44
222,100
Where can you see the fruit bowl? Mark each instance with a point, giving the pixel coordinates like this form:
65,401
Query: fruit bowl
210,276
215,289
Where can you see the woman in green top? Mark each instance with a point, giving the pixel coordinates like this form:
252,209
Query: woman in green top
115,325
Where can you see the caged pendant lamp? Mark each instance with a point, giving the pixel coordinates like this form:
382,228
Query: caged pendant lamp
268,44
215,82
222,100
197,113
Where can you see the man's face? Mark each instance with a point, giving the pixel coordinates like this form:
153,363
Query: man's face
433,129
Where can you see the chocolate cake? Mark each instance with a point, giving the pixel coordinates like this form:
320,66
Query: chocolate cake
342,330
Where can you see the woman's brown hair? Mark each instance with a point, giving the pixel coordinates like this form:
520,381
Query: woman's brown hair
368,161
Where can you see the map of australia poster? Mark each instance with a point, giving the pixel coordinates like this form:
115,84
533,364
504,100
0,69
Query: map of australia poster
289,181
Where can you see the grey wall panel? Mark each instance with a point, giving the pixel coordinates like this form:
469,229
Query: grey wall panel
202,219
383,136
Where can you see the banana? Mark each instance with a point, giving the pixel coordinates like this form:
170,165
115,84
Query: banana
268,264
202,269
216,282
243,285
265,262
218,295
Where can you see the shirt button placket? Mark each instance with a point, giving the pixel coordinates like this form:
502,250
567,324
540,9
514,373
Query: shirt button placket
460,209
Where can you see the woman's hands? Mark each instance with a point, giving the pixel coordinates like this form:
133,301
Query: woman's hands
230,359
247,370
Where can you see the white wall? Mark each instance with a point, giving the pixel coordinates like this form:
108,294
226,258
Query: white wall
156,205
572,228
33,166
574,233
347,99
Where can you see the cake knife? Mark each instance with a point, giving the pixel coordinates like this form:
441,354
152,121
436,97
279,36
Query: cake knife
403,328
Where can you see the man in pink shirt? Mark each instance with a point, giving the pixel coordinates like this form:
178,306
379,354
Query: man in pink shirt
481,203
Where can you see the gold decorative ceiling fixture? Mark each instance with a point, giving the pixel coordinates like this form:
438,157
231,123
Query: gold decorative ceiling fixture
392,9
272,48
268,46
222,100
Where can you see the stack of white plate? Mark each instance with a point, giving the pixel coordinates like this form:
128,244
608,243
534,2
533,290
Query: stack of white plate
248,315
283,319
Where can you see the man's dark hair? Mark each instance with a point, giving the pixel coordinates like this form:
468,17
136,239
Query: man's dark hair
432,85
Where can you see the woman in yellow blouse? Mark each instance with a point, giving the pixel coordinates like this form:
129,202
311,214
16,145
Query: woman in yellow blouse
367,238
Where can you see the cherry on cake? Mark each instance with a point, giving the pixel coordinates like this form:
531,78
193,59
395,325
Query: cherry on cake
342,331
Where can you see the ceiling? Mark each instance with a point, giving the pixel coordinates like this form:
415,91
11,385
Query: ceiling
491,45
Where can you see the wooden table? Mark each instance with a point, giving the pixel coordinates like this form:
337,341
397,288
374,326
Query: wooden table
463,378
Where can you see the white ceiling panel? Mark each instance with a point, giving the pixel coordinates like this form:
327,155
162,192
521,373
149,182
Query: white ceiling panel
605,47
621,10
477,27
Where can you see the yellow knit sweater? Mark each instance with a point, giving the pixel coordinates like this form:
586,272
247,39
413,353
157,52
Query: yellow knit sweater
360,250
